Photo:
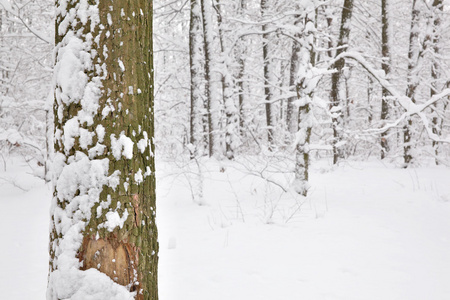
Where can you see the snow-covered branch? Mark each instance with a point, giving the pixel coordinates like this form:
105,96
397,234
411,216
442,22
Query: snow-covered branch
406,103
16,12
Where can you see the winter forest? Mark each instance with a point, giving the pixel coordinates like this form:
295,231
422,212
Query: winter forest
224,149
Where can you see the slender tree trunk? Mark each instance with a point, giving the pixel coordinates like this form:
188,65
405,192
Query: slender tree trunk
336,105
291,116
240,80
267,79
195,45
369,99
103,240
412,81
231,111
305,91
386,67
437,9
211,89
241,97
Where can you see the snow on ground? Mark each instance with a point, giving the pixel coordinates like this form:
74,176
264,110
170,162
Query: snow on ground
24,227
367,231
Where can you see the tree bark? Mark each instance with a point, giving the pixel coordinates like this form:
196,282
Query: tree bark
305,85
412,81
211,90
231,112
103,210
336,109
268,95
241,48
195,65
291,116
386,67
437,9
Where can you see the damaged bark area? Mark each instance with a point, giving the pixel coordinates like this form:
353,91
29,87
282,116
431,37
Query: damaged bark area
117,259
115,255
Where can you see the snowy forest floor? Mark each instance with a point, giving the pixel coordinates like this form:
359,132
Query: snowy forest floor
367,231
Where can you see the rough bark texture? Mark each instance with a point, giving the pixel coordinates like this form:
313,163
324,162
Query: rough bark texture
437,10
386,67
344,34
412,81
211,89
127,254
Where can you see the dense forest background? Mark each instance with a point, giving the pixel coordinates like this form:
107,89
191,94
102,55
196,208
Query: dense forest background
277,81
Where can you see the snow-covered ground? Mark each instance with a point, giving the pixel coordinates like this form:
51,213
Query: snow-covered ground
367,231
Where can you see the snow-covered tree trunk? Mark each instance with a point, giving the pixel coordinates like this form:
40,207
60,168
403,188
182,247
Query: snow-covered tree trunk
212,81
267,69
291,116
231,111
386,67
103,240
336,103
195,64
241,95
306,83
436,10
413,80
241,50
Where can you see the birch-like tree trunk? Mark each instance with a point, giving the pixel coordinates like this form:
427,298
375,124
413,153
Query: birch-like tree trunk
291,116
103,240
195,64
231,111
306,83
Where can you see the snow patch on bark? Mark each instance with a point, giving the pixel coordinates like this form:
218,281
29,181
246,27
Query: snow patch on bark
79,179
122,146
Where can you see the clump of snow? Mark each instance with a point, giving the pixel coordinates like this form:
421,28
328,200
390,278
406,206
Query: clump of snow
148,172
121,65
122,146
113,220
100,130
86,285
138,177
142,144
